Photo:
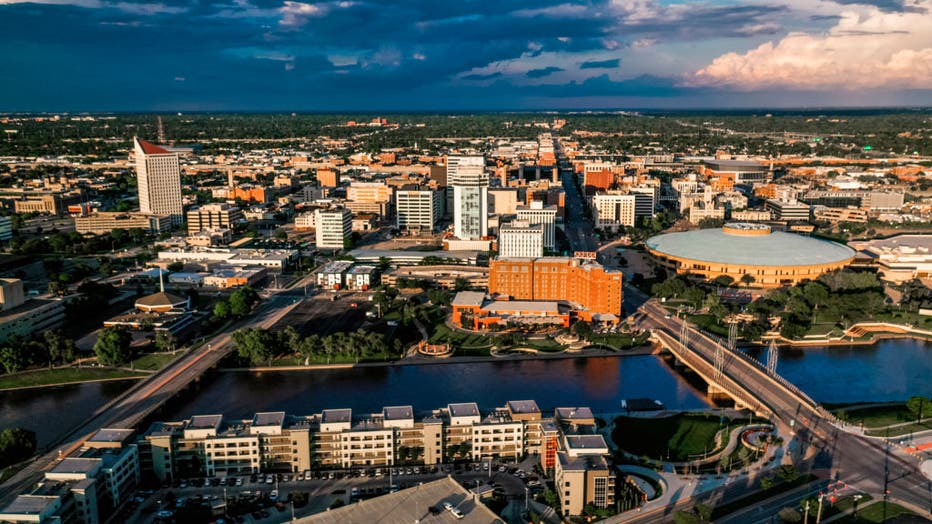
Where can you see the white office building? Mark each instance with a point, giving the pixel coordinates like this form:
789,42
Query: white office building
521,239
470,183
158,174
546,216
418,209
333,228
613,210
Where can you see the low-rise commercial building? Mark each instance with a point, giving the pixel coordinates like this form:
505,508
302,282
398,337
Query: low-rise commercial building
105,222
442,276
788,210
213,216
472,310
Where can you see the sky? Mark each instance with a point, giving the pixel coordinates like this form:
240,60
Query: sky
455,55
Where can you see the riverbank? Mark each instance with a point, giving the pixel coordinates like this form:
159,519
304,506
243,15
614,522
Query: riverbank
64,377
863,334
420,360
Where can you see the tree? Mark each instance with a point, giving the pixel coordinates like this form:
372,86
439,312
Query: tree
919,406
222,310
12,358
175,267
165,341
16,444
582,329
256,345
747,279
242,300
113,346
766,483
60,349
788,473
724,281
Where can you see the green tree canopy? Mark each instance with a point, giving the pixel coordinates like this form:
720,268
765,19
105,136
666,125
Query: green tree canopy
113,346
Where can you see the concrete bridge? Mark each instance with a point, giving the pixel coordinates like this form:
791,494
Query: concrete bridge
731,373
867,463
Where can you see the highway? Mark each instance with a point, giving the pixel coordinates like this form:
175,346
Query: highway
856,460
132,407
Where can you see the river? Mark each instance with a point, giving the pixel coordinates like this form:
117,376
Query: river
889,370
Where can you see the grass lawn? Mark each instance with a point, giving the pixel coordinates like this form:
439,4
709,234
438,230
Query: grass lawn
678,437
901,430
875,513
709,323
459,339
545,345
50,377
879,416
154,361
618,340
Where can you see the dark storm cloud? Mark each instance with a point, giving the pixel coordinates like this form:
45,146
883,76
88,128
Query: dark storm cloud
542,72
600,64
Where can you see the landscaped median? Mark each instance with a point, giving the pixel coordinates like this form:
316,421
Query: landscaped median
60,376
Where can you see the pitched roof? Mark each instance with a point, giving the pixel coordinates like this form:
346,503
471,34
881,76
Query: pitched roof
151,149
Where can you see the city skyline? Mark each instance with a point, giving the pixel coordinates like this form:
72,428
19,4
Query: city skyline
95,55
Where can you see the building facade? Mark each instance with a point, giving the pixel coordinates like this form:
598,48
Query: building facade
213,216
537,213
334,227
470,183
104,222
521,239
158,174
612,210
418,209
593,289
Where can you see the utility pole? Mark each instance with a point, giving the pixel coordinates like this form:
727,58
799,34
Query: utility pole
806,514
819,513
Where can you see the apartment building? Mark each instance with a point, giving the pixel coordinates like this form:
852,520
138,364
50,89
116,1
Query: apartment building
208,445
521,239
595,291
613,210
105,222
582,475
536,213
213,216
333,228
85,487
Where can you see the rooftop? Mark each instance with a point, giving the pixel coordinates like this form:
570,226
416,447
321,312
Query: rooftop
336,415
276,418
398,412
28,505
111,435
574,413
585,442
466,409
412,505
776,249
205,421
71,465
523,406
151,149
468,298
529,306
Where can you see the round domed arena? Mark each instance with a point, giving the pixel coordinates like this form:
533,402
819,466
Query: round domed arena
772,258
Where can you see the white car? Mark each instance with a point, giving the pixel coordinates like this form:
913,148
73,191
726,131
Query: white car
457,513
447,506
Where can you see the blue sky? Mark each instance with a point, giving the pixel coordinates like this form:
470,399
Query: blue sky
189,55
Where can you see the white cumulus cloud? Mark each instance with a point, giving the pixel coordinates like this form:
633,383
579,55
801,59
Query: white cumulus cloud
295,14
867,48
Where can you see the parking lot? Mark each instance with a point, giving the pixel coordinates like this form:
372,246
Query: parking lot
272,498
